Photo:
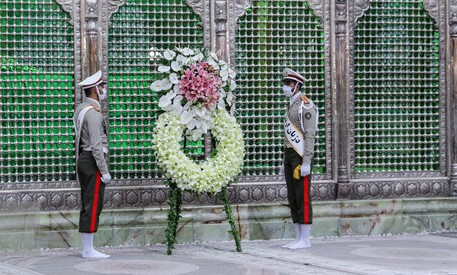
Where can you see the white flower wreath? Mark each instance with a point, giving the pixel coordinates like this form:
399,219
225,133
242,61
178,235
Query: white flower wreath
216,171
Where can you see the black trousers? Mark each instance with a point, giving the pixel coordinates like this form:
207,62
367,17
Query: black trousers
298,190
92,193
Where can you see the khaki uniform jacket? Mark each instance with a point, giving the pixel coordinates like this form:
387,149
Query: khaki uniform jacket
306,121
93,134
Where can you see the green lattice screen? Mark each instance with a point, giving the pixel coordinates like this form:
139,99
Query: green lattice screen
396,88
137,28
271,36
36,96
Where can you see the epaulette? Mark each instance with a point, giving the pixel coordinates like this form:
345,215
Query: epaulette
95,107
305,99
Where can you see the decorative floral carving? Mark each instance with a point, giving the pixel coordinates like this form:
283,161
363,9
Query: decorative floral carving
198,6
67,5
453,17
48,198
400,189
113,6
241,6
432,7
340,18
317,6
398,175
360,6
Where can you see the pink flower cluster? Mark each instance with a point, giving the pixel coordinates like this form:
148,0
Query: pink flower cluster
199,83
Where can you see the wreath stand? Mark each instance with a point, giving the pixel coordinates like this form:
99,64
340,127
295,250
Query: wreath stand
174,201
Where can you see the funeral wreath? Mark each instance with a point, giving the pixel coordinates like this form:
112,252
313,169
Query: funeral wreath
196,95
215,172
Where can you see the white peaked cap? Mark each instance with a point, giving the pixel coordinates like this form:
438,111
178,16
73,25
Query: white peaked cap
92,81
289,74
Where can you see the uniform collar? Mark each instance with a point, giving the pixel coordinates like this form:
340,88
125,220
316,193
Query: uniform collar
294,98
93,101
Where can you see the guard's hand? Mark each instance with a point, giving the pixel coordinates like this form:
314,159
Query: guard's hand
106,178
281,169
305,169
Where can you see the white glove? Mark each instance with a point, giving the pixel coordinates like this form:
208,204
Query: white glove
281,169
106,178
305,169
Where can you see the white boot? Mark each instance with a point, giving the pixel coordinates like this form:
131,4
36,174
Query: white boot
88,247
297,236
303,242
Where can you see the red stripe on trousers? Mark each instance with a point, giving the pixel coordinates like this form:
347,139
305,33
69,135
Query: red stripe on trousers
305,200
93,220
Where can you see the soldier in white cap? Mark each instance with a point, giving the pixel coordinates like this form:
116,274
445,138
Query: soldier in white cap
91,166
300,130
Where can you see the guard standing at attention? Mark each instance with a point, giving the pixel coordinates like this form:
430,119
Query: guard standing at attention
300,130
91,166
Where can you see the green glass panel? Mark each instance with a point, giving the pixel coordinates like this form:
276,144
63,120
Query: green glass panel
272,36
138,28
396,66
36,92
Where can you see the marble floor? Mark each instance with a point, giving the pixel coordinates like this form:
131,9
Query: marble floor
405,254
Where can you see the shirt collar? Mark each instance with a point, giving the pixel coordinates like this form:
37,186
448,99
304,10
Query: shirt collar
293,98
93,101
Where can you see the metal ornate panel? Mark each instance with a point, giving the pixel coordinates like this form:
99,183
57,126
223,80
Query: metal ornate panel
399,142
333,42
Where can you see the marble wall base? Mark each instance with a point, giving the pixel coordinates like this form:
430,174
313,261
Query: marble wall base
130,227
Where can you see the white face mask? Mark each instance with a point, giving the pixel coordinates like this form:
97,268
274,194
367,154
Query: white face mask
104,95
287,91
